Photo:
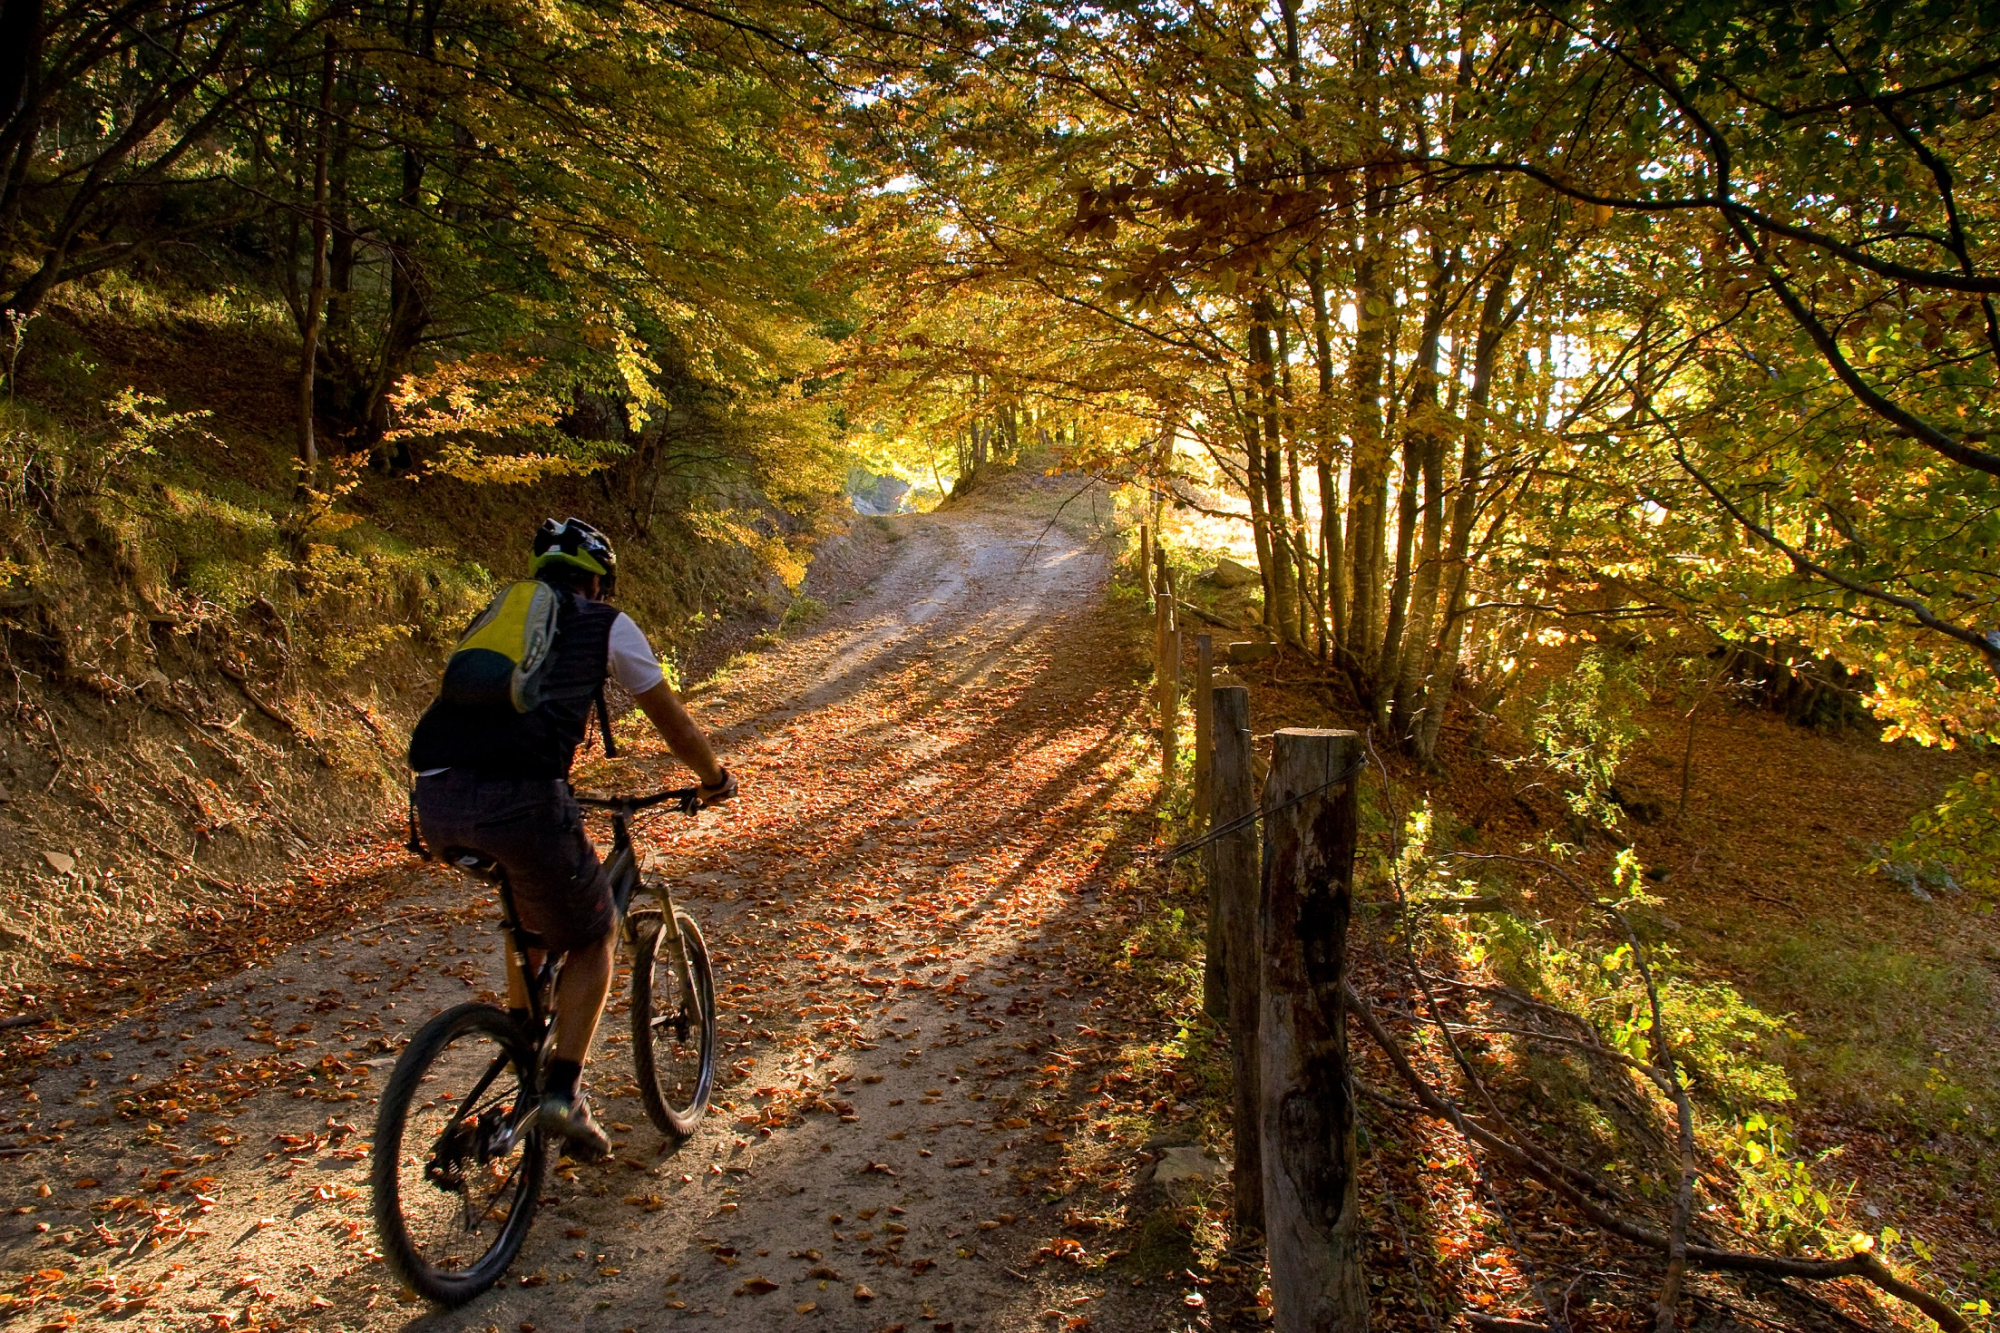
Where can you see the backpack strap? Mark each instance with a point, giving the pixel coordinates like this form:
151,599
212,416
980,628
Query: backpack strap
604,725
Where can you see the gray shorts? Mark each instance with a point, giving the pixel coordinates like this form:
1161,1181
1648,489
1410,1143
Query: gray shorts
533,828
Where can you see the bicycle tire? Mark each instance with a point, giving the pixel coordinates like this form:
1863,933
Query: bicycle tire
676,1097
445,1283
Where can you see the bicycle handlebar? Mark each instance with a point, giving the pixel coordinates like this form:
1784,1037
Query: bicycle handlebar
687,798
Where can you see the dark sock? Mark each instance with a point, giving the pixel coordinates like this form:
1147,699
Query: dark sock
563,1075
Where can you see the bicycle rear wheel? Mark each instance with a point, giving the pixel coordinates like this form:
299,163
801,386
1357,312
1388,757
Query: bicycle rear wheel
458,1164
673,1023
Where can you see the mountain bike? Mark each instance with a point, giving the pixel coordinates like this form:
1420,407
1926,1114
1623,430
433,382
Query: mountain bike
458,1161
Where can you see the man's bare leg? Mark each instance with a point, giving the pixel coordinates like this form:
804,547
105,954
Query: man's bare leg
580,996
580,993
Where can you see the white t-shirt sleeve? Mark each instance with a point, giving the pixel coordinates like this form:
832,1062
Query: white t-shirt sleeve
632,661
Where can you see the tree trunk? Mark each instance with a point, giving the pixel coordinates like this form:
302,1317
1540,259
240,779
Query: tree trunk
1306,1107
1260,526
1302,580
409,314
1331,537
1279,613
1368,491
1494,321
1423,461
308,447
1388,660
20,55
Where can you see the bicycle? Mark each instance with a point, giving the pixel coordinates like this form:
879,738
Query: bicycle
476,1154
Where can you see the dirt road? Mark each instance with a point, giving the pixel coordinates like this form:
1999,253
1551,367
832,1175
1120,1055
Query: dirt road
932,781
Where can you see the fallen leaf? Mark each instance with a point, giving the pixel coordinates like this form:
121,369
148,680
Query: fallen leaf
756,1286
805,1307
861,1293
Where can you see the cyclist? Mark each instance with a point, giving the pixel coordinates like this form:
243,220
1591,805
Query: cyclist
496,782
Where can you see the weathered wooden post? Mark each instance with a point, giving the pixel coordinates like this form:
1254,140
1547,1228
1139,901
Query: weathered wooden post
1231,974
1167,659
1311,1220
1204,738
1146,563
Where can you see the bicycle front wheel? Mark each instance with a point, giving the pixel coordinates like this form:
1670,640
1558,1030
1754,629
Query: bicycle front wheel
673,1022
458,1164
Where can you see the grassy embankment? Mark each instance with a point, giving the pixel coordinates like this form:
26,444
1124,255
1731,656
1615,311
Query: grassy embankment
208,684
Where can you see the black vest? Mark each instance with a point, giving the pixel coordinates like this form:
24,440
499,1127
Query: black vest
499,742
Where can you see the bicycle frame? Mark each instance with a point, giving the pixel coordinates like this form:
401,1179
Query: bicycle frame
622,869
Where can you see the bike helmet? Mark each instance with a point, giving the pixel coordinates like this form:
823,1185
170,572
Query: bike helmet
574,545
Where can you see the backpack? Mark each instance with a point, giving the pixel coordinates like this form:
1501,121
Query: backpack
502,657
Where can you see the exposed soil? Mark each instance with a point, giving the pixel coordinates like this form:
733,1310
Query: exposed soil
930,781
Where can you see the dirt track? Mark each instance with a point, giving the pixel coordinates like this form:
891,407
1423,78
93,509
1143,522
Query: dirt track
930,781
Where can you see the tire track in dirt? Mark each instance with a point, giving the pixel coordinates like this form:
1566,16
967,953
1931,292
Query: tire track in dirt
932,779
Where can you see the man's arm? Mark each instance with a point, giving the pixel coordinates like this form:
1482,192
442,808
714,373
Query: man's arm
687,742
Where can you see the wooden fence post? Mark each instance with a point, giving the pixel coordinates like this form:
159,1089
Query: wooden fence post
1167,660
1311,1219
1204,730
1230,977
1146,563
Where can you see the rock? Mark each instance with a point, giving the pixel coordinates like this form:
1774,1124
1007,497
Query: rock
1186,1164
61,862
1229,574
1238,654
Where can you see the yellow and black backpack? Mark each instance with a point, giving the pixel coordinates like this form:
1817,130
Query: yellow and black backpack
504,655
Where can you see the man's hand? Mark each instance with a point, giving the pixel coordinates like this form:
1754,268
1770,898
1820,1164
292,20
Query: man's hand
718,791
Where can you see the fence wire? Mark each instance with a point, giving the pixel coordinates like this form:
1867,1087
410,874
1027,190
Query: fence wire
1220,831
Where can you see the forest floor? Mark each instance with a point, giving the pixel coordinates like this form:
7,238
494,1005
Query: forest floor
957,1009
935,780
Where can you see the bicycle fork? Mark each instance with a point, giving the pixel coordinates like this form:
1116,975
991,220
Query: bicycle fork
670,933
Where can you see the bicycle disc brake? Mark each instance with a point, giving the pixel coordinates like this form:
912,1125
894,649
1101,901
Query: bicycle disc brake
446,1168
